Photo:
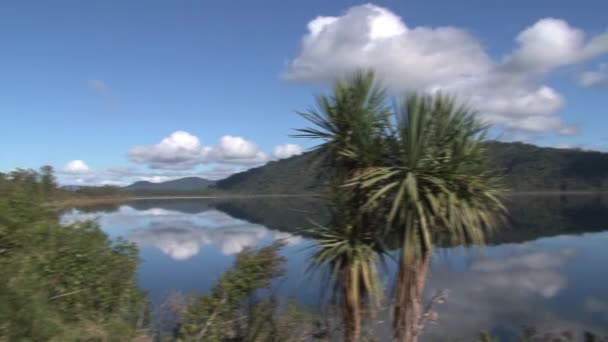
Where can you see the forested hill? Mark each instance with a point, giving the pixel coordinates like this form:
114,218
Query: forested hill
182,184
296,175
526,168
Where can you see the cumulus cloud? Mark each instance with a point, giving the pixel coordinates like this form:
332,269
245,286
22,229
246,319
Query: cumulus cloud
183,151
596,78
551,43
509,92
76,167
236,150
286,151
179,151
98,86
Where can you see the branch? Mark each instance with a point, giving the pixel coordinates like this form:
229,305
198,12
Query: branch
211,318
438,298
67,294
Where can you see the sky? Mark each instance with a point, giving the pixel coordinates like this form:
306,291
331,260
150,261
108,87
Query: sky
110,92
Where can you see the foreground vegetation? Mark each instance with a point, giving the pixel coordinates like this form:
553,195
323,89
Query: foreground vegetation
61,283
73,283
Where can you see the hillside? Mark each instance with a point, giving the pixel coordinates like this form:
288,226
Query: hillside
191,184
531,168
296,175
525,167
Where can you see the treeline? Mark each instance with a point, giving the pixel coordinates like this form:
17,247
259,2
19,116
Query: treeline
40,186
31,184
106,191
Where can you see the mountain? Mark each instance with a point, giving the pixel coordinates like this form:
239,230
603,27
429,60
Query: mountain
189,184
296,175
71,187
532,168
525,168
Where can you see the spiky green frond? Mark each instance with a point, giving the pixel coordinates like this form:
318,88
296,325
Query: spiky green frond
349,122
437,182
351,256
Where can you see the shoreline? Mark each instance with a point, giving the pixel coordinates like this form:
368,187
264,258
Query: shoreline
85,202
144,198
115,200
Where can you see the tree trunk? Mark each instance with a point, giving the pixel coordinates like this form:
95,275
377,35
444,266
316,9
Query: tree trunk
408,311
351,317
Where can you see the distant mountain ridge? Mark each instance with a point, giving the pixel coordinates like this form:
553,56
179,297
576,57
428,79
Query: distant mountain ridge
525,168
181,184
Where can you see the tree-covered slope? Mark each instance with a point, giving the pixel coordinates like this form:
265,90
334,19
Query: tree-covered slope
296,175
532,168
526,168
182,184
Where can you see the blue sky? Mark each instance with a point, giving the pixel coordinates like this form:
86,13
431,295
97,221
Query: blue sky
106,82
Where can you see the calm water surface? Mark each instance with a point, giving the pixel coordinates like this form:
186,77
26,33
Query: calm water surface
546,269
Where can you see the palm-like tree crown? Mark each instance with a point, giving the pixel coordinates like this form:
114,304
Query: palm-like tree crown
436,179
418,172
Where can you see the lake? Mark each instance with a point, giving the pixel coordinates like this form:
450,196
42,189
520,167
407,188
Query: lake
546,269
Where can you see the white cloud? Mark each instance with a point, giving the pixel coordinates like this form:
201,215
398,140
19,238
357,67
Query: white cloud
156,178
596,78
371,36
184,151
236,150
547,44
286,151
179,151
509,92
98,86
113,182
76,167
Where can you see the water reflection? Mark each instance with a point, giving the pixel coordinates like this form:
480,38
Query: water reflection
510,287
545,269
181,239
181,235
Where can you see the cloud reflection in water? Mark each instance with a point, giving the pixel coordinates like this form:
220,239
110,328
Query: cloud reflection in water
182,239
181,235
510,290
